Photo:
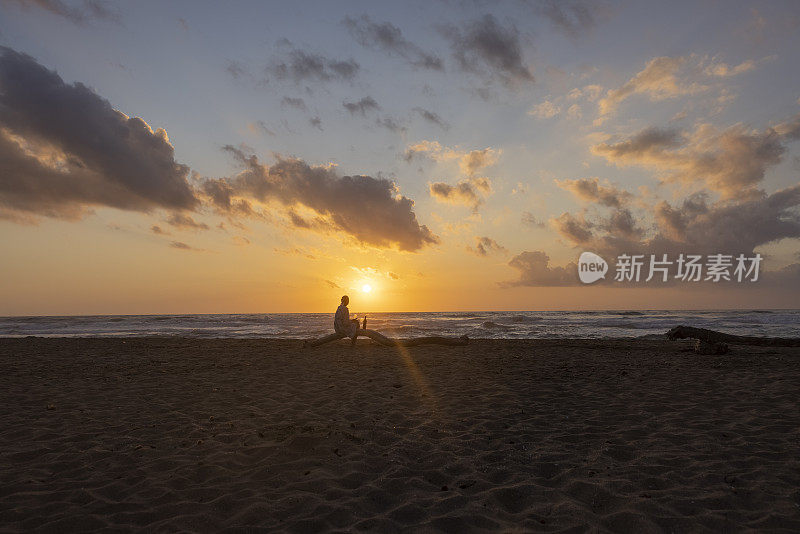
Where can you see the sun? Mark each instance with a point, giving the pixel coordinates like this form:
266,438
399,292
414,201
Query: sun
366,288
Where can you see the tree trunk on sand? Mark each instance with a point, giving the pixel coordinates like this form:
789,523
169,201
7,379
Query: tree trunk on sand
389,342
712,336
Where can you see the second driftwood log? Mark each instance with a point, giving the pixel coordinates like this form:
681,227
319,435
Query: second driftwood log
390,342
712,337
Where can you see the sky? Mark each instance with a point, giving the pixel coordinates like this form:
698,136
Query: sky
248,157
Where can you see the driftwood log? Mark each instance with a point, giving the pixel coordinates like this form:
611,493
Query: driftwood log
389,342
713,337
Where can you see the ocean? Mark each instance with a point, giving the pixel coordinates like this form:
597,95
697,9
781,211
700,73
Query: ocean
494,325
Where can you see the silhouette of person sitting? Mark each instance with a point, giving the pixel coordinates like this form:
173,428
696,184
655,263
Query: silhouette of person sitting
342,323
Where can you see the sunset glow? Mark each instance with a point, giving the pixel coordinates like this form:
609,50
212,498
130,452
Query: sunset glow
211,167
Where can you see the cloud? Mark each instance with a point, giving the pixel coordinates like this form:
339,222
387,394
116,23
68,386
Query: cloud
423,148
573,17
185,222
297,103
731,162
180,245
467,192
240,241
641,146
316,122
222,196
534,270
390,124
723,70
531,220
476,160
260,127
590,190
568,103
388,38
485,246
730,227
671,77
545,110
432,117
362,106
658,80
63,148
158,230
469,162
486,48
577,230
86,11
621,223
236,69
727,213
695,226
368,209
300,66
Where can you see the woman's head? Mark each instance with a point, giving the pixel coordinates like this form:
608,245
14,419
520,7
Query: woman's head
345,300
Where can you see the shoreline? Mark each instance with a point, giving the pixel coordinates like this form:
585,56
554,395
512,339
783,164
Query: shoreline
503,434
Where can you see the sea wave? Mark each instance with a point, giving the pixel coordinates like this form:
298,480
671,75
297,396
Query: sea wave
497,325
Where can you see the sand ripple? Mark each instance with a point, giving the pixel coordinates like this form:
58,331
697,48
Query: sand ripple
201,435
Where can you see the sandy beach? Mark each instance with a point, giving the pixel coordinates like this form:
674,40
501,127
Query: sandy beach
172,434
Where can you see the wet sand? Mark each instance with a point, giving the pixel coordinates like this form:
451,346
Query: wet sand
205,435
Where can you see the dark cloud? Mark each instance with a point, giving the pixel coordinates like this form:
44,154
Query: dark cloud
590,190
467,192
695,226
485,47
316,122
647,142
432,117
301,66
158,230
730,227
574,229
573,17
390,124
180,245
221,195
63,149
485,246
388,38
236,70
79,14
261,126
367,209
535,270
622,223
362,106
293,102
185,222
531,220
